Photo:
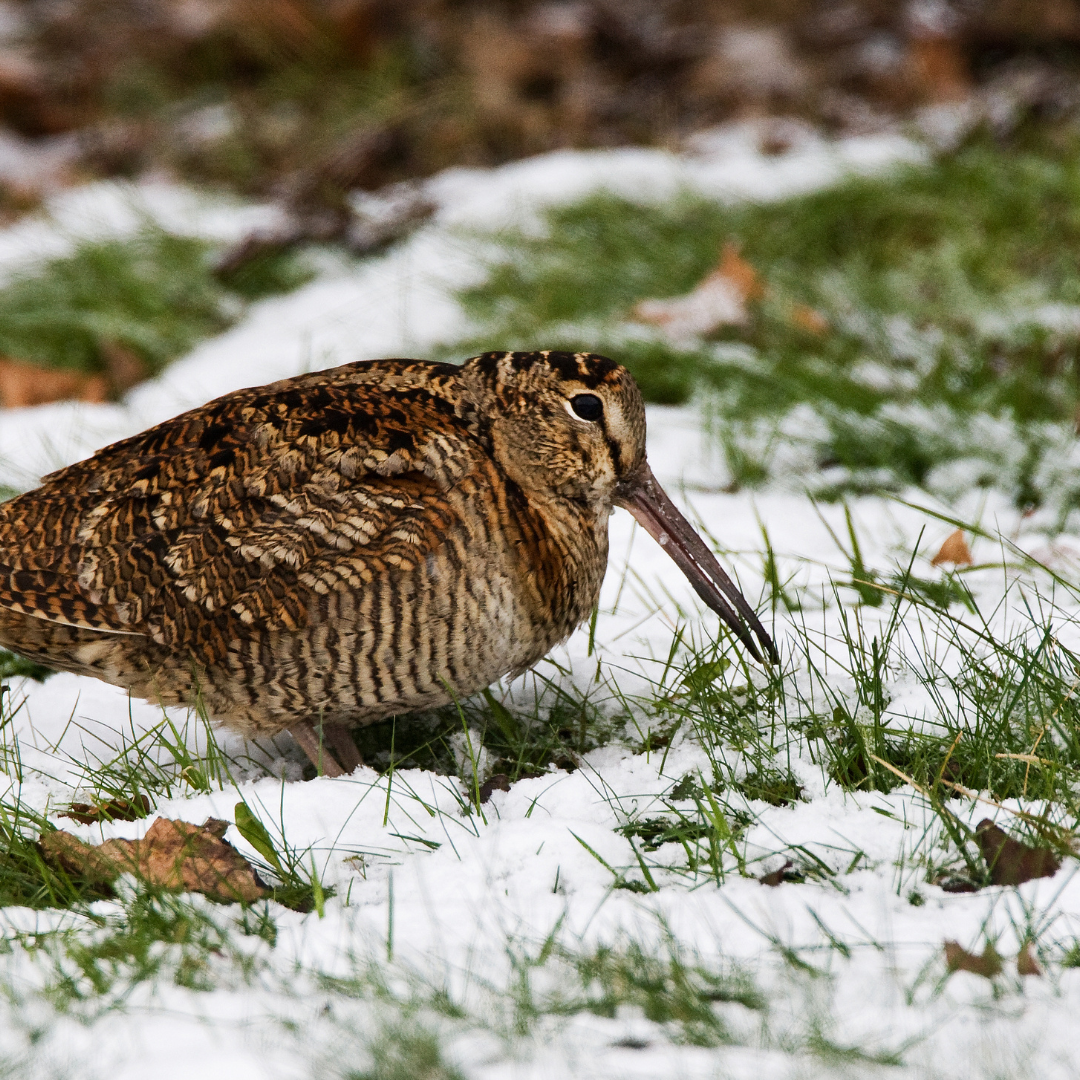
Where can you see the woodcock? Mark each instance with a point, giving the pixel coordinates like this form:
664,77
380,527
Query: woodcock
333,549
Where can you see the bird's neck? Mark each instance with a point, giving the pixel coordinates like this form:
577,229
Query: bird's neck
564,551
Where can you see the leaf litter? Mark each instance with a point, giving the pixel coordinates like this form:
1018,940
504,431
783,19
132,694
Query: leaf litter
1009,861
114,810
954,551
173,855
314,815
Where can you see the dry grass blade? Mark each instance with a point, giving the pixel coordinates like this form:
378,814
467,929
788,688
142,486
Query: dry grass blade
1062,835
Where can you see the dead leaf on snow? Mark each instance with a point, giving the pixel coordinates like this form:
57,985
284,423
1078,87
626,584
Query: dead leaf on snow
1011,862
957,958
952,882
113,810
954,551
718,300
23,385
1026,964
69,853
124,368
809,319
776,877
172,855
498,782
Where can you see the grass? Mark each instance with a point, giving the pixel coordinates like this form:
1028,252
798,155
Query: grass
295,100
1002,717
995,719
149,936
27,878
626,996
937,286
18,667
831,707
163,762
929,697
669,989
560,724
402,1052
152,294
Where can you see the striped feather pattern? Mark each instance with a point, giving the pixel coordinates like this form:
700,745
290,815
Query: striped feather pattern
344,545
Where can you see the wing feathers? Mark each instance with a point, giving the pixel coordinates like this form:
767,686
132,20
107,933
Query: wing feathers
242,516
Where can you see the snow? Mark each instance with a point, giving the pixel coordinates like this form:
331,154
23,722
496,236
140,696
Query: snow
397,305
460,900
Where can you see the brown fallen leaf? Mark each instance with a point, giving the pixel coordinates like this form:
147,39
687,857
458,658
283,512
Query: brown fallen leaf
23,385
954,551
957,958
172,855
69,853
742,275
1026,964
719,299
951,882
498,782
1011,862
776,877
113,810
939,68
809,319
124,368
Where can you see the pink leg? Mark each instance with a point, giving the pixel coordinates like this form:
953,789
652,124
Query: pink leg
316,749
339,738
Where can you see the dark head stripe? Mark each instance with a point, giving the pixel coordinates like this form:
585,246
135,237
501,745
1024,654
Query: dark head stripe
589,369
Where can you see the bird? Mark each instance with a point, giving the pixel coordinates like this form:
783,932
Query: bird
347,545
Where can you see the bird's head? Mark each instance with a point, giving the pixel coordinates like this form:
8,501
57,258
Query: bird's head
572,426
567,424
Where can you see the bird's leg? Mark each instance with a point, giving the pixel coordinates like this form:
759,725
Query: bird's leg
339,738
316,748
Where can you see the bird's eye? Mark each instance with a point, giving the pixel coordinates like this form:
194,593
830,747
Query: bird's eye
587,406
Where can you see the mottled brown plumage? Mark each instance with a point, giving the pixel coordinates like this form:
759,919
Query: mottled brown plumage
342,546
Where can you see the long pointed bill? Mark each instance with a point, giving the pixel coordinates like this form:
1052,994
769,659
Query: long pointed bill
647,501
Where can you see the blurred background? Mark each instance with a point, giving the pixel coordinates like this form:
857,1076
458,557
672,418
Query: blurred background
305,99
